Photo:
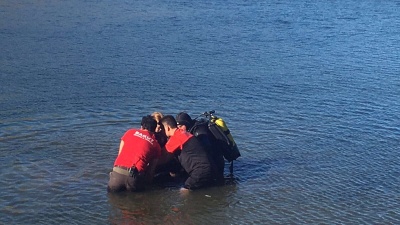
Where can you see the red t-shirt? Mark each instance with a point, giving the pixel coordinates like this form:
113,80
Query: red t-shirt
140,148
176,141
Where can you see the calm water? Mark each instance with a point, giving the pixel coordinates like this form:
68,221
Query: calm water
309,89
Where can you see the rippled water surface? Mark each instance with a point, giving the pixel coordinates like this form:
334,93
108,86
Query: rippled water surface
309,89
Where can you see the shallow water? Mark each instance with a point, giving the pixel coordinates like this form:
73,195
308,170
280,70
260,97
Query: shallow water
309,90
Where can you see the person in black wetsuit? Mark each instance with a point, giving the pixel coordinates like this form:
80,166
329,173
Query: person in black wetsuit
192,155
203,134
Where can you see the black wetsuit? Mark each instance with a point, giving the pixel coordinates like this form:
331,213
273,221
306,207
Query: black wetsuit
203,134
197,163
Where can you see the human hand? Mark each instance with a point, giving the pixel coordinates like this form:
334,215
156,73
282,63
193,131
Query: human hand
184,191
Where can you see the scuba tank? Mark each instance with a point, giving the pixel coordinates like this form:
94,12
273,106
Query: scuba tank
221,137
221,132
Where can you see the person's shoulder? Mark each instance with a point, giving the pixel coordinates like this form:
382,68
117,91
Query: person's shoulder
183,133
140,133
129,131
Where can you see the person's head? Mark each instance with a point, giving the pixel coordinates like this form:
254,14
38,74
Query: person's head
158,116
169,124
148,123
184,121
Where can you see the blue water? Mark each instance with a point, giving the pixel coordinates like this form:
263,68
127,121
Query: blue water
310,91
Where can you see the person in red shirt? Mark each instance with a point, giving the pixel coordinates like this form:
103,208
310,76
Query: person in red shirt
192,155
137,158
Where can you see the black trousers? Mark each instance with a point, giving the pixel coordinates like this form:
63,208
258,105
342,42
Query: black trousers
120,182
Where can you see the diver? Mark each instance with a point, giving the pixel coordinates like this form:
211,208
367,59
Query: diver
192,155
199,128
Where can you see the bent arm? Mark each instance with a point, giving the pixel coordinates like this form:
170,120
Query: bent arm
150,172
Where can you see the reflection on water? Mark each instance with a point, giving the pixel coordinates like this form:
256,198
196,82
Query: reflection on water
170,206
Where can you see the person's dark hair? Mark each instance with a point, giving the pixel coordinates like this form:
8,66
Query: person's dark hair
169,120
149,123
184,119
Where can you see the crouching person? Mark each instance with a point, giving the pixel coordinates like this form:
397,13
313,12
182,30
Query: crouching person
192,155
137,158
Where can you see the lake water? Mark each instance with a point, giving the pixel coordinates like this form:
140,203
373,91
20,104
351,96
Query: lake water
309,89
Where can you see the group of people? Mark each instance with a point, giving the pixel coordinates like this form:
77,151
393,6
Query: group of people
169,145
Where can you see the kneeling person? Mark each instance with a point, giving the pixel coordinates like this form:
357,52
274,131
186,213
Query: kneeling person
137,158
200,130
192,155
